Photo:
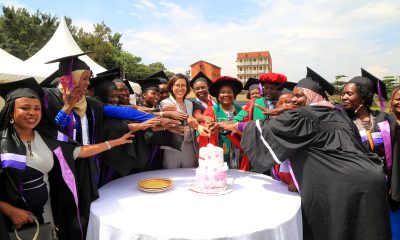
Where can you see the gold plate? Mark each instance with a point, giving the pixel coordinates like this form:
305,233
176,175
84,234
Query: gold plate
155,184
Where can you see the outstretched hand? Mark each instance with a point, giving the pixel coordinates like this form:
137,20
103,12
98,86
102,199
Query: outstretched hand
229,126
169,123
203,131
126,138
170,107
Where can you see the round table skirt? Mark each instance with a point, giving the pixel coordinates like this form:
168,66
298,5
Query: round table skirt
257,208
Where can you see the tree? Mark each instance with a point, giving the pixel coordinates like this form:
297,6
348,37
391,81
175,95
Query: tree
390,82
338,83
23,34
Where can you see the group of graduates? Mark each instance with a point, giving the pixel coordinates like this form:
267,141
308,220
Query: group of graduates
63,139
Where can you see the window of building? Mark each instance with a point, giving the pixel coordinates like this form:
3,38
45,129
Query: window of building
240,69
255,68
259,68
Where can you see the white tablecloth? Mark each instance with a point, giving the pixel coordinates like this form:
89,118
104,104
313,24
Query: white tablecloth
257,208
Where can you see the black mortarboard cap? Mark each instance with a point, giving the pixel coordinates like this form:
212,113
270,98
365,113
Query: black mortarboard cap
286,91
375,84
70,63
116,70
128,85
149,84
103,81
22,88
250,82
316,83
200,77
51,81
160,75
287,85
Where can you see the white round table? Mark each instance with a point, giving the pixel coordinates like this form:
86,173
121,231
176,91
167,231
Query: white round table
257,208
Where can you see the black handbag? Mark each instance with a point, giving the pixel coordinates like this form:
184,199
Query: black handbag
39,232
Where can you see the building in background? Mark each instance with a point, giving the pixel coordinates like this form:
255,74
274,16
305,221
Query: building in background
210,70
252,64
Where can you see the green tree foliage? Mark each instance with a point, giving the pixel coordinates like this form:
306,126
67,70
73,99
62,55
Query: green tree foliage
338,83
390,82
23,34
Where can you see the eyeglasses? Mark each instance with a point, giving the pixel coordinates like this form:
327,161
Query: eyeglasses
180,86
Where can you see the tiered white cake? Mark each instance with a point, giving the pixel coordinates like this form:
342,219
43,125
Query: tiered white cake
212,171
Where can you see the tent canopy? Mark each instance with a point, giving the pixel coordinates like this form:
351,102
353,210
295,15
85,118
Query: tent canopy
61,44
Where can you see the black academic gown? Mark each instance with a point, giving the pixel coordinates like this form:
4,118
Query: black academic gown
65,211
125,159
342,187
88,169
394,175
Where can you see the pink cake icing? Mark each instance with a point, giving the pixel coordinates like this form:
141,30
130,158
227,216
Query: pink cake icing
212,171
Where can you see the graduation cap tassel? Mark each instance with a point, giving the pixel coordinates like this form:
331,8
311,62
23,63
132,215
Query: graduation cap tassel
71,81
381,100
261,89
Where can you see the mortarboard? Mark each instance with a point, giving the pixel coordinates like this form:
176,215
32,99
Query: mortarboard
251,84
225,81
160,75
287,85
149,84
316,83
116,70
102,85
200,77
70,63
376,85
22,88
103,81
128,85
51,81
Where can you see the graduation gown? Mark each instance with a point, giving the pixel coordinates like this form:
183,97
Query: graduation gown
342,186
63,188
386,127
87,169
128,158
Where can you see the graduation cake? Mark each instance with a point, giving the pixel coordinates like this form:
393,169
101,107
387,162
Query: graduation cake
212,171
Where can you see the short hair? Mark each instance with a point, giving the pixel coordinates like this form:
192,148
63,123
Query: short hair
174,78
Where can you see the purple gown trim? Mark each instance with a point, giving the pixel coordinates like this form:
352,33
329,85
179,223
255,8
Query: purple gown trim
69,179
13,160
293,176
387,143
381,100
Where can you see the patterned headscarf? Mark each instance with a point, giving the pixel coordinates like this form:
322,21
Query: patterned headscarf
314,99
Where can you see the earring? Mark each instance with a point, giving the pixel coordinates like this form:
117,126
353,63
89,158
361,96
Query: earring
355,111
12,120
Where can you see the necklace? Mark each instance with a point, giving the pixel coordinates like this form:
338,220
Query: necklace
366,124
29,147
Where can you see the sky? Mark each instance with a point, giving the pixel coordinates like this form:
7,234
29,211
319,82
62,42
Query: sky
331,37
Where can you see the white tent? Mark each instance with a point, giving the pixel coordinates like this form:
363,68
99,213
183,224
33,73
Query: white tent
11,68
60,45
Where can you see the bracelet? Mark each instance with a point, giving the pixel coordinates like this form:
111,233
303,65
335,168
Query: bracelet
108,145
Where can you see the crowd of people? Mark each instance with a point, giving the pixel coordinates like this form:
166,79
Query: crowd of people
63,139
